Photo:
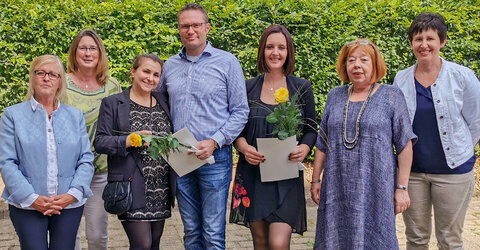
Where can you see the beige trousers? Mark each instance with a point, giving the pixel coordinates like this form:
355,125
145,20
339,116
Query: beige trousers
95,216
449,195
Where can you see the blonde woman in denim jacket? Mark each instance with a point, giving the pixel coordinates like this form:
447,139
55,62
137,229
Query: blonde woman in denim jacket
443,100
45,161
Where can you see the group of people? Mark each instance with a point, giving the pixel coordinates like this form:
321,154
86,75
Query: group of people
380,149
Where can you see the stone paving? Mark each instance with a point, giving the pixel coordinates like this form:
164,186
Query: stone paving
238,237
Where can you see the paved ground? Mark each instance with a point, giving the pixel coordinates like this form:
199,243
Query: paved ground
238,237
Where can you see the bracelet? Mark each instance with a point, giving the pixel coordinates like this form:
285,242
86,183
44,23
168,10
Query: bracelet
402,187
316,181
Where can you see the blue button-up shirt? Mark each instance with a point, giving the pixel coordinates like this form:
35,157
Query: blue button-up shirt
456,99
208,95
428,155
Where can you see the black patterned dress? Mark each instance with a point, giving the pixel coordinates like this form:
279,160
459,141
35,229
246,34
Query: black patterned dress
275,201
156,172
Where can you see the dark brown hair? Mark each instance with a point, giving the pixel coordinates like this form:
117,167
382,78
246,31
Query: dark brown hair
289,64
138,60
426,21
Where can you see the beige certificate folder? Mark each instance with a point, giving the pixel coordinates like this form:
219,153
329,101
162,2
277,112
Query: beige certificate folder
277,166
182,162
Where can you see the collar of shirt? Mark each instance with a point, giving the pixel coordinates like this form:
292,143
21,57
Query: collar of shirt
206,52
421,90
36,105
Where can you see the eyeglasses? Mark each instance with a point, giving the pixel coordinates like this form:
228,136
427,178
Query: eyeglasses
85,49
186,27
41,73
359,42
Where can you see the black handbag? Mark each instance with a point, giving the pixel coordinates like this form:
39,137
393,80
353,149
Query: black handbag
117,195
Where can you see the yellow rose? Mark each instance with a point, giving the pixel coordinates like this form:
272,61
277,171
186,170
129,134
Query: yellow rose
135,140
281,95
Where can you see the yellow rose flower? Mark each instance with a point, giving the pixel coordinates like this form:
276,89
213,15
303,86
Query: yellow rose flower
281,95
135,140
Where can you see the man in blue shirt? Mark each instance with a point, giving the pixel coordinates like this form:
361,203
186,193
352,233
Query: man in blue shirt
206,89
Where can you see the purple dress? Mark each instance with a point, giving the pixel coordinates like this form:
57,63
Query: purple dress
356,208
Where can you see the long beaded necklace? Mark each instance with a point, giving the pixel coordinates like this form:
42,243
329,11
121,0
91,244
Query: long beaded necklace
350,144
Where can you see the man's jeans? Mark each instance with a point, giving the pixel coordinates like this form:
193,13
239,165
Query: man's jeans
202,201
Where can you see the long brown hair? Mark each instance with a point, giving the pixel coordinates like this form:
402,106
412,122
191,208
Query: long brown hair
289,64
102,66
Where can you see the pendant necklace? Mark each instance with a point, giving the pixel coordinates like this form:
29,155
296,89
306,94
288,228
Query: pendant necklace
350,144
272,87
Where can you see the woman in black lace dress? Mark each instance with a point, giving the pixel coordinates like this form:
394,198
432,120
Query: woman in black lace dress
138,109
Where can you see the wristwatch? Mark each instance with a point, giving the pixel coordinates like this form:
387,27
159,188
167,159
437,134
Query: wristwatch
402,187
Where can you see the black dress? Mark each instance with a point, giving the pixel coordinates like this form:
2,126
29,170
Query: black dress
156,172
278,201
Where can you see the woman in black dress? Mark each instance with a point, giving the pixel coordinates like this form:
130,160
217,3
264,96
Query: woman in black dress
138,109
272,210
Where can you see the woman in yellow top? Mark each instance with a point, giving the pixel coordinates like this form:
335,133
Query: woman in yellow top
88,82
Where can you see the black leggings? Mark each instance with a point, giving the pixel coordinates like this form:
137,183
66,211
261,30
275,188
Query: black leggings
144,235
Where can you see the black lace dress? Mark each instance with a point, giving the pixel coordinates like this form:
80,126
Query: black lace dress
155,172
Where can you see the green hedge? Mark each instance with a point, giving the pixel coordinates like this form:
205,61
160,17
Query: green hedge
319,29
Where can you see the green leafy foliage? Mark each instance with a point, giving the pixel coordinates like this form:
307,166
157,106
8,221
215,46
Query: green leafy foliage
286,118
162,145
319,28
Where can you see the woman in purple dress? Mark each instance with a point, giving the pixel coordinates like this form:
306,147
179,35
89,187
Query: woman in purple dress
365,134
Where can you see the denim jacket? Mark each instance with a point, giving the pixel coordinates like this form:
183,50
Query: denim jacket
23,151
456,98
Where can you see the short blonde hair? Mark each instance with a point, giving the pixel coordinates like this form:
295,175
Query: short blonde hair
102,66
39,62
379,66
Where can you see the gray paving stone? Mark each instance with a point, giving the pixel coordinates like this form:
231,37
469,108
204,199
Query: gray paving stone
238,237
6,236
300,246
